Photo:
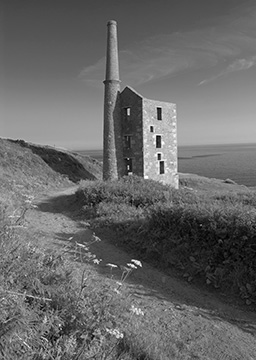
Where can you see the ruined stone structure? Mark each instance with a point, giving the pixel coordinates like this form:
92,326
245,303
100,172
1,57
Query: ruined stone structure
140,135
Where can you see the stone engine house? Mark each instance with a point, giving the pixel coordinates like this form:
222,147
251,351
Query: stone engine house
149,137
140,135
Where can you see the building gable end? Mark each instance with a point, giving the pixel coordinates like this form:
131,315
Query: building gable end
130,91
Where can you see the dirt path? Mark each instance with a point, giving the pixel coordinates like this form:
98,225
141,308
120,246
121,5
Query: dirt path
52,225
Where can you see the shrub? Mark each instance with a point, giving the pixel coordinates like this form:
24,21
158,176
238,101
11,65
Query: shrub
212,241
131,190
243,198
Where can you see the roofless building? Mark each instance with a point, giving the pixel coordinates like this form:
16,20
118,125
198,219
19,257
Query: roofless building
140,135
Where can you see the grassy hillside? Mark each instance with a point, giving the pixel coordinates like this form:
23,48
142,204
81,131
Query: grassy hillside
76,167
206,229
55,306
27,169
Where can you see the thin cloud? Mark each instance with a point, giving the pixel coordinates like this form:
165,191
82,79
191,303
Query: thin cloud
232,38
237,65
242,64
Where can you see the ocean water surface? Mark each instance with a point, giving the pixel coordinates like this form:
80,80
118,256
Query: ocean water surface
236,161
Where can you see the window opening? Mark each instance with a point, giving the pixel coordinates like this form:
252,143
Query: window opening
151,128
128,166
159,156
158,141
127,113
159,113
127,141
161,167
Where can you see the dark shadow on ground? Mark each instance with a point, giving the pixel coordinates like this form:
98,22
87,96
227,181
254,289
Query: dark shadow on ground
65,204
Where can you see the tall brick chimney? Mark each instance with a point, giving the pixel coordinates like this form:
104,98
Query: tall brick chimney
112,142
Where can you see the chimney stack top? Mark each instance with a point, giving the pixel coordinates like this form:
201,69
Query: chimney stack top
111,22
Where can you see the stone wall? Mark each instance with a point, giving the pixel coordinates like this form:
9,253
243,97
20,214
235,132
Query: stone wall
167,130
140,128
132,126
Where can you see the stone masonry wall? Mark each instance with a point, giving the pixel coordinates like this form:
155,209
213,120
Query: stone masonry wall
132,126
166,128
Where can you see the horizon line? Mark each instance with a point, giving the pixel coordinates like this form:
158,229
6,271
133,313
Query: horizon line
183,145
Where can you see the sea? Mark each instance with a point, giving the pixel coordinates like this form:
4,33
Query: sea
232,161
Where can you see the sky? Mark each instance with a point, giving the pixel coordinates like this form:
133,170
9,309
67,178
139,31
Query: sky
199,54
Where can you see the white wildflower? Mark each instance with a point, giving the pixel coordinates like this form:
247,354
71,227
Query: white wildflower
132,266
115,332
112,265
137,262
96,261
80,245
136,311
95,238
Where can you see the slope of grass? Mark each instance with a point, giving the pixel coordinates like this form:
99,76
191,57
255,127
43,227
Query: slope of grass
26,170
76,167
207,235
